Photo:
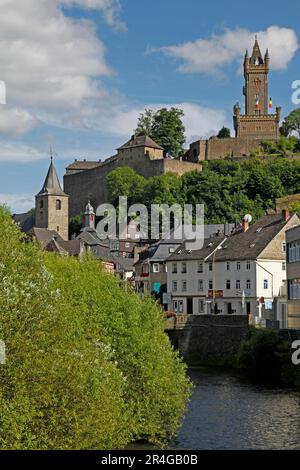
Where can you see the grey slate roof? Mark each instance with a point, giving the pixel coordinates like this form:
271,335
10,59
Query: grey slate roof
239,245
44,236
25,221
248,245
210,245
72,247
83,165
140,141
99,248
51,185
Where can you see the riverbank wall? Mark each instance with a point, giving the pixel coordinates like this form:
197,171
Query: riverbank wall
210,340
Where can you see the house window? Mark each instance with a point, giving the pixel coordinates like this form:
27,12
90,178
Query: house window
283,247
171,250
57,228
210,284
174,268
58,204
266,284
210,266
175,306
41,204
183,268
238,266
200,306
238,284
228,284
200,285
248,266
200,267
228,266
155,267
283,266
248,284
127,245
184,286
180,306
174,286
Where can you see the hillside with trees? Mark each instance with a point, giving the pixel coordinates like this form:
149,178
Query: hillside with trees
228,188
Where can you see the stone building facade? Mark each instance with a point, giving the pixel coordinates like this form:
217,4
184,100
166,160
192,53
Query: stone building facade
85,180
251,128
52,206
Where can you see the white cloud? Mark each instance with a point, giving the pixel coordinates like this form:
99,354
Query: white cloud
110,8
17,203
211,55
51,63
199,121
11,151
16,121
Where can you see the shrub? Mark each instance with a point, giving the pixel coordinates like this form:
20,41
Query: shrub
262,355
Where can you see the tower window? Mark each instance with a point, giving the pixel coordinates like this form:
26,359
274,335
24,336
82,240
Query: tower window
58,204
41,204
57,229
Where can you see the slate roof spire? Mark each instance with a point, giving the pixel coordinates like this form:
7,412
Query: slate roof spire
51,186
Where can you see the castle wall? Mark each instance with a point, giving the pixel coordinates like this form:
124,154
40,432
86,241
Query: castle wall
91,184
215,148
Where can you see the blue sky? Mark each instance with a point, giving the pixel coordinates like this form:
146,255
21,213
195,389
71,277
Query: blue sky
78,72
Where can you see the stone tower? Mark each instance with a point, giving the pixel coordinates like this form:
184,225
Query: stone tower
89,217
256,122
256,90
52,205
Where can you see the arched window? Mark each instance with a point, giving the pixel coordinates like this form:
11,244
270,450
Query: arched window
58,204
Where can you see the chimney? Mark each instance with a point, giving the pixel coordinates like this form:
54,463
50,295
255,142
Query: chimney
245,226
285,215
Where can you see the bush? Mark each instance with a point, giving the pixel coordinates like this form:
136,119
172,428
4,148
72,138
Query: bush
263,354
88,364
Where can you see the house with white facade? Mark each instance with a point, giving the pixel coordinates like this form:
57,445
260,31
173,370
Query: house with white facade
244,273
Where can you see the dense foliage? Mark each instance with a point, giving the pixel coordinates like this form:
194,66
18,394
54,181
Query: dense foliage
88,363
165,127
266,357
228,188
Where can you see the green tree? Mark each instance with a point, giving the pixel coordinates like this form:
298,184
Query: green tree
145,123
88,364
124,181
165,127
75,224
224,133
291,123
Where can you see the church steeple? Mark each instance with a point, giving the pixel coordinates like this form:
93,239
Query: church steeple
52,205
52,185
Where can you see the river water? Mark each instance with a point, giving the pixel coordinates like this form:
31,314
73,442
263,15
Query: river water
227,412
